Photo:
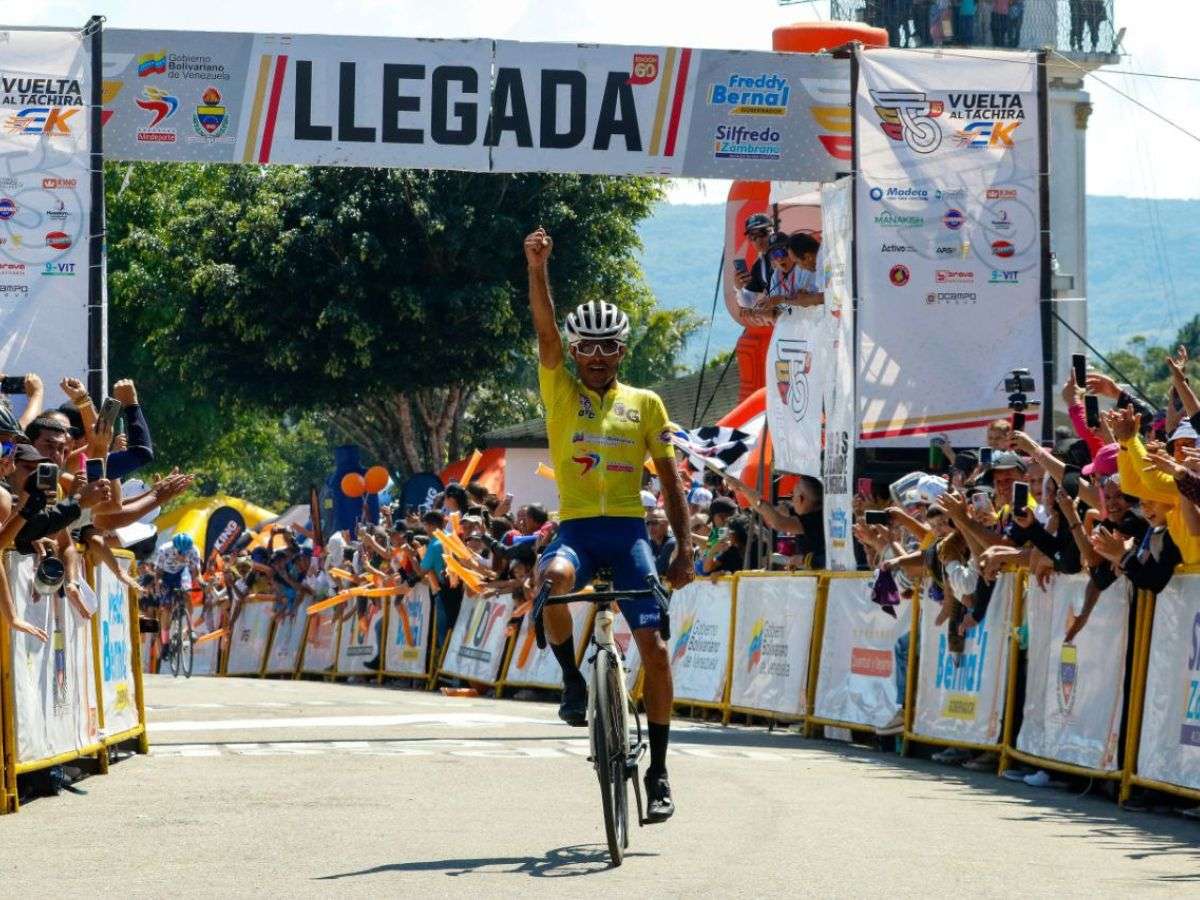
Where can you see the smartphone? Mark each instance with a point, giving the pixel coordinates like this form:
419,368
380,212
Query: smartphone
95,469
1091,405
1018,421
981,501
1079,364
109,412
1020,494
877,517
739,266
47,477
866,488
12,384
985,456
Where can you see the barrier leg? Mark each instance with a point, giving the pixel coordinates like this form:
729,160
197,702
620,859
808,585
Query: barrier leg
728,692
814,656
102,753
139,694
1144,625
910,674
8,732
1014,650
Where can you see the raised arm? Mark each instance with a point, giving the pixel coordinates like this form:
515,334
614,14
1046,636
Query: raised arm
537,255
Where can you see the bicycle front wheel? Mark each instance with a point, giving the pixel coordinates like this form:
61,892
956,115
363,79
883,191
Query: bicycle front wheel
186,643
610,747
178,623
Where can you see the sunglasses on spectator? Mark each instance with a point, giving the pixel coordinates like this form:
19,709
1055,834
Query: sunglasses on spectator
760,233
777,254
604,348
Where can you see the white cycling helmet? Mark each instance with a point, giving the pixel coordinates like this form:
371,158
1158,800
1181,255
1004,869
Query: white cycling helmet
597,321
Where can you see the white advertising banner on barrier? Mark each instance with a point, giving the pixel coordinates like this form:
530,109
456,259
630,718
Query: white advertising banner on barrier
856,682
960,696
772,638
1074,692
45,203
54,686
798,365
476,648
248,638
407,647
320,644
837,246
1170,744
116,650
475,105
286,640
948,240
361,638
700,640
531,666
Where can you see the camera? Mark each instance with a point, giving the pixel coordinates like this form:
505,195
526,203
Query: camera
1019,385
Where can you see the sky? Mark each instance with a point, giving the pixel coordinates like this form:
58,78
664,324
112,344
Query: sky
1129,151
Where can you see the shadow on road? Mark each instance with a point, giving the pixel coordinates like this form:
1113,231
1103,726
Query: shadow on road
563,862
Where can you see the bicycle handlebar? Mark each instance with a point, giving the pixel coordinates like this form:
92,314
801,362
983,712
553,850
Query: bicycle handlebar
653,590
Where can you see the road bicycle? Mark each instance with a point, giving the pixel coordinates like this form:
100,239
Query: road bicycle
181,638
616,748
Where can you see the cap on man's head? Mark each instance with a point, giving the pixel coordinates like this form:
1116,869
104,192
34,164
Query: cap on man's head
779,241
27,453
757,221
700,497
10,427
1184,431
1006,459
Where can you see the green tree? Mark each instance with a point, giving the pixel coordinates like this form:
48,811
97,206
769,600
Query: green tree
391,301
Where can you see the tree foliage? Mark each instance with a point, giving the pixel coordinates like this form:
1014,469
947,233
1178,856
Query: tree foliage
391,302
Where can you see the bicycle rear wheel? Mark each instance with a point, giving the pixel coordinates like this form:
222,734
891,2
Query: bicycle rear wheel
610,746
186,643
176,639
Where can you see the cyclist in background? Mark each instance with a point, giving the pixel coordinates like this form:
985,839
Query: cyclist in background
176,566
600,433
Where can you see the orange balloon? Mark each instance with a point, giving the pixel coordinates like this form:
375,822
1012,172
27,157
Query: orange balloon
377,479
353,484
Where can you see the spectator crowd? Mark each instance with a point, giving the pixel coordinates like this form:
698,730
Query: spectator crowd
982,23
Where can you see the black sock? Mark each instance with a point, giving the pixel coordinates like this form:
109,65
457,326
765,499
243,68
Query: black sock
565,654
659,734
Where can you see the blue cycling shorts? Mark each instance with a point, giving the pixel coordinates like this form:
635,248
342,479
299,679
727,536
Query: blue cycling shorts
615,542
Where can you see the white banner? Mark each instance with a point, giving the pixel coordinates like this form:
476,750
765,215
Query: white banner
948,240
476,105
1074,693
700,640
206,657
409,620
531,666
772,639
286,640
476,648
1170,745
45,202
837,246
856,680
362,631
960,696
798,364
249,637
321,643
54,685
116,650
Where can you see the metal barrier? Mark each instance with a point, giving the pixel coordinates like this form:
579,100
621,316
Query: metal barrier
76,695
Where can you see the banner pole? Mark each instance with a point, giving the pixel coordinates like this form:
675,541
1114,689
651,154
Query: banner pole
1046,289
97,674
97,349
1007,738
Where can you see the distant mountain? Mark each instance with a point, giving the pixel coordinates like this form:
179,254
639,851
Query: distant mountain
1143,268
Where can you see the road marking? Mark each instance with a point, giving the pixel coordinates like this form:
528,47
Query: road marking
442,747
466,720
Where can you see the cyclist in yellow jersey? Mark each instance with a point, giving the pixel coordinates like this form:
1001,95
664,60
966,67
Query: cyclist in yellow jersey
601,432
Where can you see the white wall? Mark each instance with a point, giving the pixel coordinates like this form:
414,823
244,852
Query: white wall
520,464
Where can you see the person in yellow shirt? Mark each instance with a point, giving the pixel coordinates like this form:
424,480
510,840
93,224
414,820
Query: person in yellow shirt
600,433
1140,479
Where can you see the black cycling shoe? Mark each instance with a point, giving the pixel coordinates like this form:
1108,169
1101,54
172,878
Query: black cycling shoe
573,708
659,805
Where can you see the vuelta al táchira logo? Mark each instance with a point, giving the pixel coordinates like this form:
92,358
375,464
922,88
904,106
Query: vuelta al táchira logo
909,116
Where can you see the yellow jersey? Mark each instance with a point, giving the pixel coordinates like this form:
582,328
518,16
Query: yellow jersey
598,445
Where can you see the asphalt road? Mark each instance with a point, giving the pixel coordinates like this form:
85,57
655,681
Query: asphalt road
310,789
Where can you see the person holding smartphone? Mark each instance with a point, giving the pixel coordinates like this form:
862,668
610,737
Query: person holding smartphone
753,278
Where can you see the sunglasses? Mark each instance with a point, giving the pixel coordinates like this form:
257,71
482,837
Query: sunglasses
755,235
778,254
604,348
7,449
